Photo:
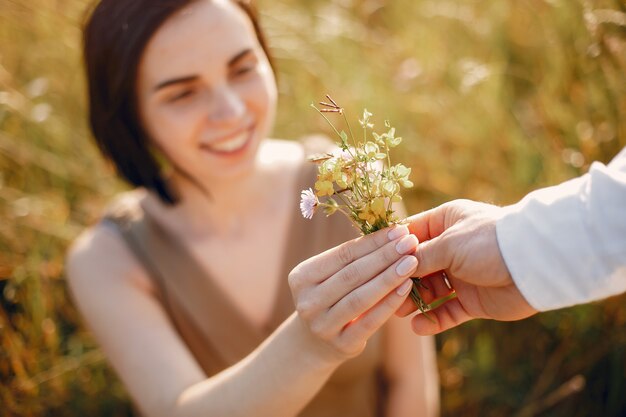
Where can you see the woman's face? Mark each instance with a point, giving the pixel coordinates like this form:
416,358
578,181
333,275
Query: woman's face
206,91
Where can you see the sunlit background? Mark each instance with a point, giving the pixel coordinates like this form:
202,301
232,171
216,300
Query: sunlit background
493,98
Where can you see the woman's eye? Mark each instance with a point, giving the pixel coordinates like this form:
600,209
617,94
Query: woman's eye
181,95
243,70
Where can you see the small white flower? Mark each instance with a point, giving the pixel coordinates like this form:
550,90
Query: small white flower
308,203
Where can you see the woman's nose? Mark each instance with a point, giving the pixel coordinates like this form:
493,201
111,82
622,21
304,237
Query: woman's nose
227,105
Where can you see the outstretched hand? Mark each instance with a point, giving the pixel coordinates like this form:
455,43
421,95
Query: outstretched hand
459,254
345,294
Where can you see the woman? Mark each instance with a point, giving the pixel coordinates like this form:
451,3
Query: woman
184,281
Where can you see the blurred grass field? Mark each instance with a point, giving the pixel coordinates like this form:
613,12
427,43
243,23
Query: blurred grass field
493,99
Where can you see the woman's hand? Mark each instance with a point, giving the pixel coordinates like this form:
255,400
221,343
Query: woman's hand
345,294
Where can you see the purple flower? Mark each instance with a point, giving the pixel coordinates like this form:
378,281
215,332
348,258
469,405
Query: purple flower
308,203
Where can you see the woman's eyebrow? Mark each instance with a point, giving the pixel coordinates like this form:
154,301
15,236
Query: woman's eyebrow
188,78
239,56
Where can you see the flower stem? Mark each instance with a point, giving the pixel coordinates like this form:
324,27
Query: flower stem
327,120
349,128
417,298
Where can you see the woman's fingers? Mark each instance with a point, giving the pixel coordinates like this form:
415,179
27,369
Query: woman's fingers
363,327
365,297
364,269
321,267
355,282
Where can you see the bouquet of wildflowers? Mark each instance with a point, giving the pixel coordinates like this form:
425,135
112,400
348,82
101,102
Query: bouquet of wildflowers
359,180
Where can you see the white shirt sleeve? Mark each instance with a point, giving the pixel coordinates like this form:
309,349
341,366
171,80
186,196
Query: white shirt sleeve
566,245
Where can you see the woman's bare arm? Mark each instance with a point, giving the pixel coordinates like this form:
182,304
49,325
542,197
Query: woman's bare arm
411,366
281,376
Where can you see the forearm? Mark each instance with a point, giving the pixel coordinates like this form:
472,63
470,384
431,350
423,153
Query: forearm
407,401
278,379
411,370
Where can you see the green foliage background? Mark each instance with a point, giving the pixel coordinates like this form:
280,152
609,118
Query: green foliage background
493,98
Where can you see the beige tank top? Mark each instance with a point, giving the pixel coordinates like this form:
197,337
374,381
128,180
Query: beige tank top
216,332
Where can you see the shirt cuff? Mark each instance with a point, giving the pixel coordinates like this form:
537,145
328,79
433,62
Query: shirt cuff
537,237
566,245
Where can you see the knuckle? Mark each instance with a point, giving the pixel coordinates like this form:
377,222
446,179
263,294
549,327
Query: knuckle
390,254
309,306
354,302
376,239
306,316
303,306
344,253
390,278
391,304
369,324
295,278
419,255
350,275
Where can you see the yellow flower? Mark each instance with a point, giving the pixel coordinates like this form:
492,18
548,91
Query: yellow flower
367,216
324,188
374,211
378,207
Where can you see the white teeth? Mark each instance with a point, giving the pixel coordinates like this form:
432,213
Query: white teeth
231,144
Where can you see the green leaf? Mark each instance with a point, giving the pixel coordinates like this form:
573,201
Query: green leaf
344,138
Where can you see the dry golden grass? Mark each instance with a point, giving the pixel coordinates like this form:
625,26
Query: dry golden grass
493,98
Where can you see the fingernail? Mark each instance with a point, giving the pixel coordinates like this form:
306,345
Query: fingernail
404,288
397,231
406,244
406,265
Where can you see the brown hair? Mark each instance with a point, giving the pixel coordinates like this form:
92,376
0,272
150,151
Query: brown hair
115,36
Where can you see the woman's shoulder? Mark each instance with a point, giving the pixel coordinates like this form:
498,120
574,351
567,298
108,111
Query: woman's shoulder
280,151
103,240
317,143
125,204
100,256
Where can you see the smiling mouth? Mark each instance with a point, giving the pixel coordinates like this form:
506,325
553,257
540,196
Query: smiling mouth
231,145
